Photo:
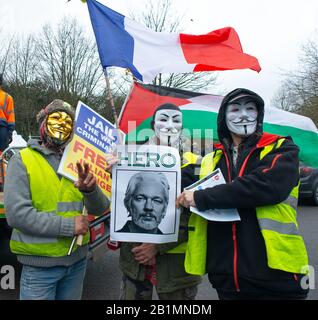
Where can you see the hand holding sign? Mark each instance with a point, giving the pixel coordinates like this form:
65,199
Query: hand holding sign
111,160
93,137
185,199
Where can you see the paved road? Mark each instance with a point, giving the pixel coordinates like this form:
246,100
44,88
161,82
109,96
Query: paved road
103,277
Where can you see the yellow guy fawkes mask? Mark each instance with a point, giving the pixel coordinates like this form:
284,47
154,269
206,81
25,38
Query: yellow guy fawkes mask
59,125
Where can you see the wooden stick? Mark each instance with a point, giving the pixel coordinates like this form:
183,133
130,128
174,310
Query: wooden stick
79,238
111,100
72,246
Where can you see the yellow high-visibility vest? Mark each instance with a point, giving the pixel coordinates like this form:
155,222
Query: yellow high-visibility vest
49,194
285,248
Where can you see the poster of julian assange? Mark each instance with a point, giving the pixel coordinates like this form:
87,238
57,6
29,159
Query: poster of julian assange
145,184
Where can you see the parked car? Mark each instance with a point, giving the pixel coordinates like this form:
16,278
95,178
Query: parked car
308,183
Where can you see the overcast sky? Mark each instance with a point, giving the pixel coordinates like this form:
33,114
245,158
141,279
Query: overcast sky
271,30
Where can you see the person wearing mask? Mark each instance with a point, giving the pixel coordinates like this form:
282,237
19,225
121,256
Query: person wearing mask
148,265
262,256
45,210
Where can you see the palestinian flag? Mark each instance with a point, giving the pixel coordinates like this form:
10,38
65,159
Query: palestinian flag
200,118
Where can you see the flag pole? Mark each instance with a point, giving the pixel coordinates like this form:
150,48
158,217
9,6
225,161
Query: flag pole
111,100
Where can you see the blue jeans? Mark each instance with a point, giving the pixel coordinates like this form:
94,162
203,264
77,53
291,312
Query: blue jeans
53,283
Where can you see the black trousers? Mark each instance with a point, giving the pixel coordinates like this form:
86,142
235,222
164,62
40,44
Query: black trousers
5,138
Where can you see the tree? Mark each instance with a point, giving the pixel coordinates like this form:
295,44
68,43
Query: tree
6,42
284,98
22,66
4,55
18,64
56,63
299,90
28,100
68,61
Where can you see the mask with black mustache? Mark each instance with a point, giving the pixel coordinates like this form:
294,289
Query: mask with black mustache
168,126
241,117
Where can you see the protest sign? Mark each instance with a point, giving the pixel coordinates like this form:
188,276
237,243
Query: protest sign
93,137
146,183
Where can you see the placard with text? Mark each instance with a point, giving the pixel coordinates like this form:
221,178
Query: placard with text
94,136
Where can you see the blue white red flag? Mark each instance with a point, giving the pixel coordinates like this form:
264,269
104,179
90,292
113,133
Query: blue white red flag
125,43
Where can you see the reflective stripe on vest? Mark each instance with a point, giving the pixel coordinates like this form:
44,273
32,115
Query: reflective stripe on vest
3,107
25,238
6,108
5,101
69,206
285,248
50,195
292,201
284,228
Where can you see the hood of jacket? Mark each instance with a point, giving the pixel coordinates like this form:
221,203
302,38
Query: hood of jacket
223,131
36,144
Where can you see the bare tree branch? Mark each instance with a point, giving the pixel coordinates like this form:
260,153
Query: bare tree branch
299,90
68,60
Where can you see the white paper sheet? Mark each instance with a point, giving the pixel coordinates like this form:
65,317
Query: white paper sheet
213,179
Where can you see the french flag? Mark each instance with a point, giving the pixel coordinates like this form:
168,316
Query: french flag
125,43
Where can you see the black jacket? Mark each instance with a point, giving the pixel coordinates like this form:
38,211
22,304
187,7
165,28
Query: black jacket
236,253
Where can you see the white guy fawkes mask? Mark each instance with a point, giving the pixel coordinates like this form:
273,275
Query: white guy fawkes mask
168,126
241,117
